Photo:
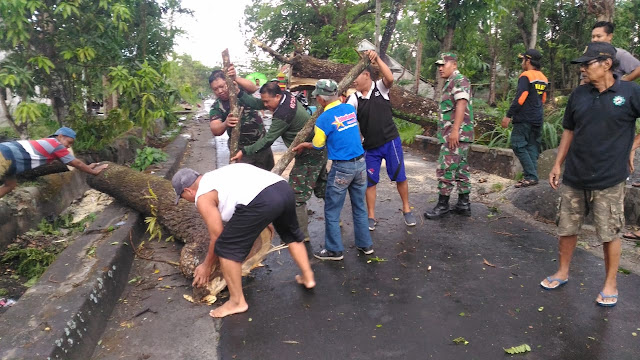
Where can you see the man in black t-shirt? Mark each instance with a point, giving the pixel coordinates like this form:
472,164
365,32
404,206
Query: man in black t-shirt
381,137
598,138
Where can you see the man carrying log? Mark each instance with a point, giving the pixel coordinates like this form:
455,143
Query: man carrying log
309,173
247,199
252,128
381,137
19,156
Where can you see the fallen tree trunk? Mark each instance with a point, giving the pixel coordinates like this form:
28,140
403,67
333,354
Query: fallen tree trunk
154,196
403,101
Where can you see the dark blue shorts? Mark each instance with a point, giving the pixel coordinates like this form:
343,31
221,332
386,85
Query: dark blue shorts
393,157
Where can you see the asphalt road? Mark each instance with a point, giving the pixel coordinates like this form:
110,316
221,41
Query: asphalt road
390,305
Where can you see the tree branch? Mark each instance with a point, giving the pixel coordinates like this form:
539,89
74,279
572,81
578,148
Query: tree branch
315,7
272,52
233,104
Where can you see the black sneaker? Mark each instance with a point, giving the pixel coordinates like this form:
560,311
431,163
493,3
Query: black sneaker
367,251
325,254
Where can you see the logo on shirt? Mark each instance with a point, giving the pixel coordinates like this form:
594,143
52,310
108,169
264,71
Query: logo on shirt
618,100
377,93
340,121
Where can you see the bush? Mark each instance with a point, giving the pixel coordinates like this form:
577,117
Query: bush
32,262
147,157
408,131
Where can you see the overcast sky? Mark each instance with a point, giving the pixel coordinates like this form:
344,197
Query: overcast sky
215,26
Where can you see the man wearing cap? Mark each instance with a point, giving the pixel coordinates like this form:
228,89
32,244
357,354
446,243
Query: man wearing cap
381,137
252,128
309,172
19,156
527,113
598,137
248,199
455,132
337,129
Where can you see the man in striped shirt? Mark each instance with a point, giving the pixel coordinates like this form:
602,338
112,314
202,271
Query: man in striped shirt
19,156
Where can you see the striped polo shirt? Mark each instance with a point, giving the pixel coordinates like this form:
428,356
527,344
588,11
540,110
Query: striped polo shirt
29,154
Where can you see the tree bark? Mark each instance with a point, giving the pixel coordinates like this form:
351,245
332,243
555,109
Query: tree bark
183,221
233,104
304,66
602,9
416,86
534,26
18,129
396,6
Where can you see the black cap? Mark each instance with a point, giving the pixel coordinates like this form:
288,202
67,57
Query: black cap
596,50
531,54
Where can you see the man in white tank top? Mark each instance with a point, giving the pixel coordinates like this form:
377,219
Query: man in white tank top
248,199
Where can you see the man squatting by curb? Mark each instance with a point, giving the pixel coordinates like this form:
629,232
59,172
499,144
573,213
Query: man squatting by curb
248,199
252,128
528,116
455,133
598,144
337,128
381,137
309,171
17,157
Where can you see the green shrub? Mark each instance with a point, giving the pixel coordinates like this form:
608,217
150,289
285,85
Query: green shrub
147,157
408,131
32,262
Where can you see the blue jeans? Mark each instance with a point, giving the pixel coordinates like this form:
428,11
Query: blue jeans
346,175
526,140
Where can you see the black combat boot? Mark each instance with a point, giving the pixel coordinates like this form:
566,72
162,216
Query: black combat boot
463,207
441,209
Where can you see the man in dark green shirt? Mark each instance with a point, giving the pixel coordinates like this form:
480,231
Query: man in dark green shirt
289,117
252,128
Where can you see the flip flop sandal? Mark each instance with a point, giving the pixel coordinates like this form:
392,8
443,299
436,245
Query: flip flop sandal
550,280
526,183
631,236
607,304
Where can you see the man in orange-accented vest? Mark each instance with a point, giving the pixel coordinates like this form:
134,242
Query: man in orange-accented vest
527,114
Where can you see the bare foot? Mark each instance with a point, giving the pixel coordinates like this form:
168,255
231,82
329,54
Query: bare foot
309,284
228,308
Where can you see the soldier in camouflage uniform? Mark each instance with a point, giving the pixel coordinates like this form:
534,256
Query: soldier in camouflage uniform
309,173
455,132
252,128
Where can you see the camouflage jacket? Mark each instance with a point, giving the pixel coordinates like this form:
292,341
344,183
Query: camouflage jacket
252,128
456,87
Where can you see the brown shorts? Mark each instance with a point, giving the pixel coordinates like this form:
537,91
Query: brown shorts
607,206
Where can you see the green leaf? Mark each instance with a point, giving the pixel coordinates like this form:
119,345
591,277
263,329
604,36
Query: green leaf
518,349
460,341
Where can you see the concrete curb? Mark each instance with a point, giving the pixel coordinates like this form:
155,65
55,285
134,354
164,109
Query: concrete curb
65,313
501,162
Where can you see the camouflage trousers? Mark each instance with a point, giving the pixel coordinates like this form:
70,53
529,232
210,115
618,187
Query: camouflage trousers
453,168
607,206
309,175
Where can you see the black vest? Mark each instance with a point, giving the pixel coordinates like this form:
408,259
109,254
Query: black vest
376,119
